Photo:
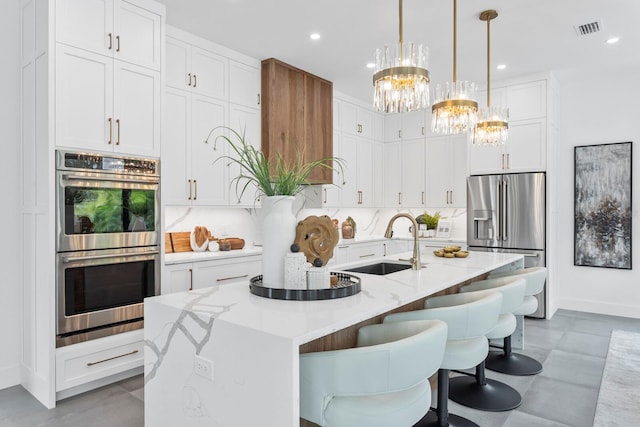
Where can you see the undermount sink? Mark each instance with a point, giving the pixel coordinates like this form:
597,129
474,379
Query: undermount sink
380,268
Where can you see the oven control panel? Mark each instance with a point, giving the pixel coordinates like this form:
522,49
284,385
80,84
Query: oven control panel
104,163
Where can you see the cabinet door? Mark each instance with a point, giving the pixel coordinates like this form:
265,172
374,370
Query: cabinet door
136,109
378,173
349,153
439,165
526,147
209,73
349,118
332,193
392,127
318,125
178,64
527,101
365,173
414,165
458,171
177,278
138,35
243,120
214,273
209,177
414,124
175,147
484,160
392,153
365,122
244,85
87,24
83,100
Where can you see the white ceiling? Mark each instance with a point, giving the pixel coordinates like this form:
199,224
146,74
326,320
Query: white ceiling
529,36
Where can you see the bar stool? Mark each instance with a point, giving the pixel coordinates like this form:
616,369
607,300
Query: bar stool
479,392
382,382
506,361
469,317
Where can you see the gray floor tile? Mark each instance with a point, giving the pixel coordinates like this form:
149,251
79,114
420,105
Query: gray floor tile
589,344
560,322
574,368
561,402
521,419
542,337
133,383
482,418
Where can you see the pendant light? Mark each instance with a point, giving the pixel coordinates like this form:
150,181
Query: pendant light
454,109
492,127
401,78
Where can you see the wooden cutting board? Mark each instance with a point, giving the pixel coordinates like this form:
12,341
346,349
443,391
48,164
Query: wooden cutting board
178,241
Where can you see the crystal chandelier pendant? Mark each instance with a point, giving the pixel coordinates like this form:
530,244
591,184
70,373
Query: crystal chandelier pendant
401,78
454,109
492,128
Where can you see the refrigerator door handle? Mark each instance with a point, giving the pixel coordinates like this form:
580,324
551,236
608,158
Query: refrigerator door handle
503,214
531,255
499,210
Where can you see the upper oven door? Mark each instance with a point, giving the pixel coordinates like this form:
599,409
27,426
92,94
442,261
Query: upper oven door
103,210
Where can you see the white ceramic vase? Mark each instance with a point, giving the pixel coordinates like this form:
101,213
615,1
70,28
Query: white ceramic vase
278,233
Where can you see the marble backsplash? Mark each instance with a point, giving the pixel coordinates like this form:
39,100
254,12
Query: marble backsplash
245,222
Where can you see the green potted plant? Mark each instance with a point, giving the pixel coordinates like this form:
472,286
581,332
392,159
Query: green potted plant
431,222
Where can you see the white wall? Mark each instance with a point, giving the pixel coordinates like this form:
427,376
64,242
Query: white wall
596,107
11,284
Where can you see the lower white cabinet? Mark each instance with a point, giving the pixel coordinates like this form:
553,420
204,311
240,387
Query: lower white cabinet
93,360
204,274
363,251
396,246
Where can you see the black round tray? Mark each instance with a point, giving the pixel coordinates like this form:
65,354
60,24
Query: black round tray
348,285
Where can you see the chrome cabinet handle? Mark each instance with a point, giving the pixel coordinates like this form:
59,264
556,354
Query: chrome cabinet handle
112,358
190,197
110,121
117,131
117,43
195,80
232,278
110,41
189,75
195,184
190,279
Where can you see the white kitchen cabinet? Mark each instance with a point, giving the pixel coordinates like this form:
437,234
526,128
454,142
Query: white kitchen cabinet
177,278
193,176
396,246
197,70
364,251
525,149
378,173
356,120
115,28
392,127
105,104
245,121
447,171
357,189
244,85
392,153
226,271
409,125
414,165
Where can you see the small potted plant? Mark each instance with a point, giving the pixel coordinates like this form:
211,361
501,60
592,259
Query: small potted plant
431,222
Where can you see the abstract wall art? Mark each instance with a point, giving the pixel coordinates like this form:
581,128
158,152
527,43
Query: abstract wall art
602,205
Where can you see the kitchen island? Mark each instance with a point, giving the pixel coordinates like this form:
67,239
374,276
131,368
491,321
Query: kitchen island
221,356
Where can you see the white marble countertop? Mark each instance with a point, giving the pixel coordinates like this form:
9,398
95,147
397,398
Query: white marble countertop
303,321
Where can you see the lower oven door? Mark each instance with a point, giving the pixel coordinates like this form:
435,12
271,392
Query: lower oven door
104,287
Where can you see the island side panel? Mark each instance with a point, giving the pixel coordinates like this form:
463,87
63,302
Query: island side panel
248,368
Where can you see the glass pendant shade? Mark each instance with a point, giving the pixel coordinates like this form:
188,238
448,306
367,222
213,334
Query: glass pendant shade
454,107
401,78
492,128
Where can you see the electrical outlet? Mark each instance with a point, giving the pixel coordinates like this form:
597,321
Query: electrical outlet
203,367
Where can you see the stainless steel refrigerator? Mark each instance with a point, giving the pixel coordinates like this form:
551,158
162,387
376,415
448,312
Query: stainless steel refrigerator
506,213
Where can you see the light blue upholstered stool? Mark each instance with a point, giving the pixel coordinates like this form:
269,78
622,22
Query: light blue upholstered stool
506,361
469,317
479,392
381,383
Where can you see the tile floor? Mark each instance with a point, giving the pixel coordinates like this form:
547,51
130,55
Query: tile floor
572,347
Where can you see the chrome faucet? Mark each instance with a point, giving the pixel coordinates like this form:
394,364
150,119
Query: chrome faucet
415,260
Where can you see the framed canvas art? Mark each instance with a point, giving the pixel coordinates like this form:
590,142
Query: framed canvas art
602,205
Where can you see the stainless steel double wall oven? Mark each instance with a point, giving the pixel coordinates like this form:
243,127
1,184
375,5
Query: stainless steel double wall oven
107,243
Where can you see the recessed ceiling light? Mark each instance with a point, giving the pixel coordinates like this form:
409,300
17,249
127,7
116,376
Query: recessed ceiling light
314,36
371,65
501,67
613,40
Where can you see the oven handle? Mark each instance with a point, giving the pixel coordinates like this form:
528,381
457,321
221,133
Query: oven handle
68,259
99,178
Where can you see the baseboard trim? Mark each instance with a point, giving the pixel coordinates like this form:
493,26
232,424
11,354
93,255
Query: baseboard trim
599,307
63,394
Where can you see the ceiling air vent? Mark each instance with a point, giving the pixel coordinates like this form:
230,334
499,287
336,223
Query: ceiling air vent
590,28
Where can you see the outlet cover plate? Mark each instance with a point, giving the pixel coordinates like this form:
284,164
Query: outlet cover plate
203,367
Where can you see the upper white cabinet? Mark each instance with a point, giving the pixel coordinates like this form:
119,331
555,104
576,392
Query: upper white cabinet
358,188
356,120
196,69
525,149
410,125
119,29
244,85
392,153
107,78
447,172
414,167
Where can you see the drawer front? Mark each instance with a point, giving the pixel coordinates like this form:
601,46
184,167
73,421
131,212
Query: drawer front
82,363
206,274
365,251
